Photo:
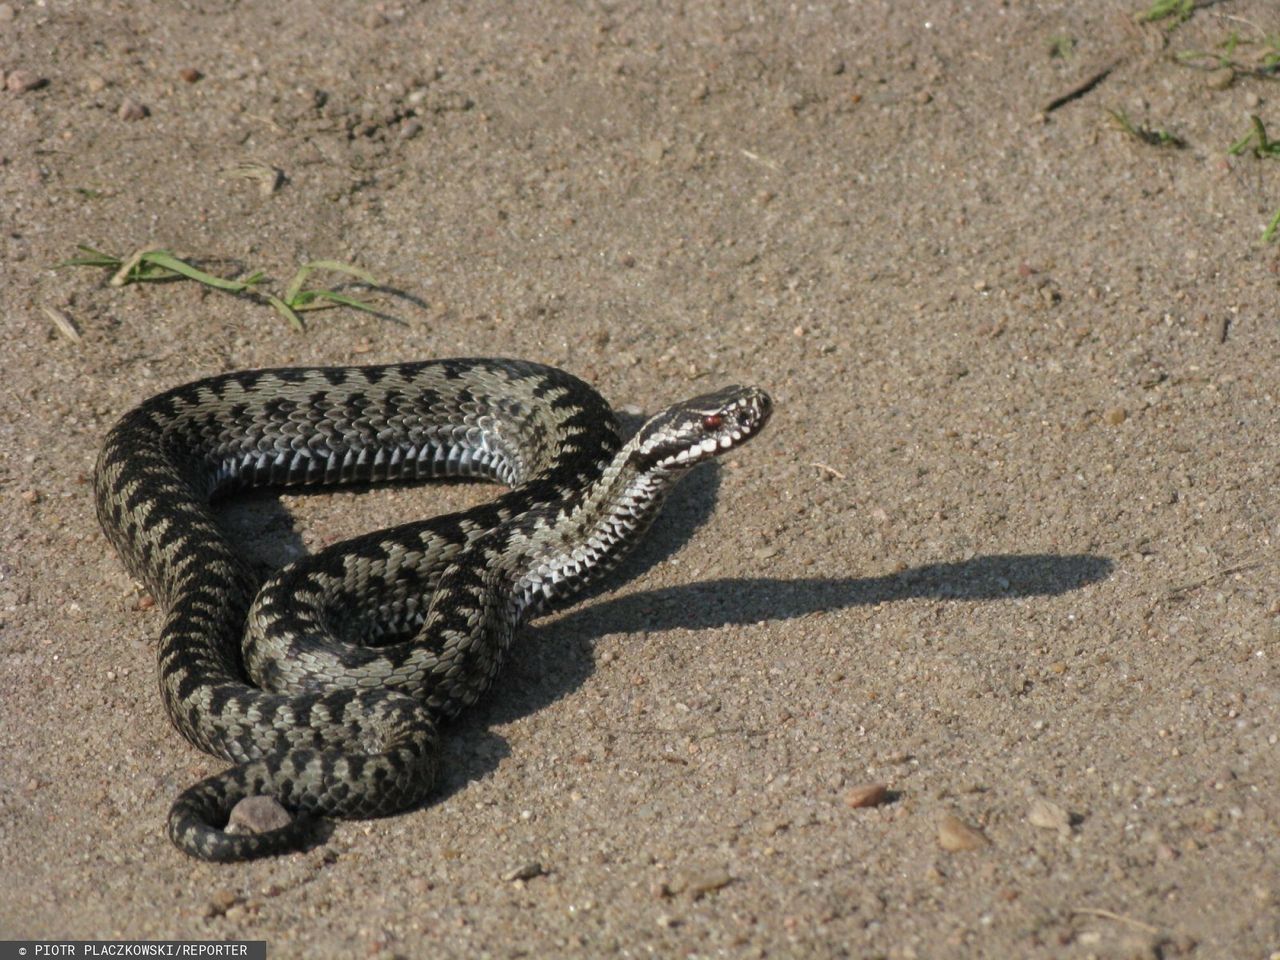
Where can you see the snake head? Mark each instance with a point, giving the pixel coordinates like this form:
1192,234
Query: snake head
703,427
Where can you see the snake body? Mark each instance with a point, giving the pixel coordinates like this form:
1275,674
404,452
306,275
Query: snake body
324,686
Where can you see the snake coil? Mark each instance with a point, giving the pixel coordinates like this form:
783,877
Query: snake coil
325,685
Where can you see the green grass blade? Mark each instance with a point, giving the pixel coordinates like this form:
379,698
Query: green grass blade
306,301
1180,10
1269,234
103,261
93,252
346,268
1264,144
131,271
286,311
165,259
95,258
295,285
1237,148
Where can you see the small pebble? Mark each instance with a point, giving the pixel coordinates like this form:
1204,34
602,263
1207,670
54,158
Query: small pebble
410,129
257,815
220,903
866,795
766,553
94,83
20,81
130,109
525,871
956,835
698,885
31,496
190,74
1220,79
1140,946
772,828
1048,816
1116,416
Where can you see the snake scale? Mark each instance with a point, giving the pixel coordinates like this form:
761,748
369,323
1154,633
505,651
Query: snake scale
325,685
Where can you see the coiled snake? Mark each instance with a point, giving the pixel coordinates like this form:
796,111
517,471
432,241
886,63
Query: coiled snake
325,686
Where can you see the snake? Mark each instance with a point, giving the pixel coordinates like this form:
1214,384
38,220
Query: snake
325,683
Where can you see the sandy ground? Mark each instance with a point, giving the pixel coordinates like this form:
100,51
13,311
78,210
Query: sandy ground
1008,547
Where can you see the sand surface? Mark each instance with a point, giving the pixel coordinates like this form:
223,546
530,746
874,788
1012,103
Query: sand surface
1008,547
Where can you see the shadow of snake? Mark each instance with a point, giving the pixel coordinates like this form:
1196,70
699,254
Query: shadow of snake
555,659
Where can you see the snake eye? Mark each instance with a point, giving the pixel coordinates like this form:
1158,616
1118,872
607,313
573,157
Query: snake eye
712,422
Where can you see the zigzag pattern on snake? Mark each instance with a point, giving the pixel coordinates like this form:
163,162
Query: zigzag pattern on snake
325,686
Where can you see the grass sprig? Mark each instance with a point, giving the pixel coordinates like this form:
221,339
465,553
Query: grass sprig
1154,136
1179,10
1262,147
151,265
1255,58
